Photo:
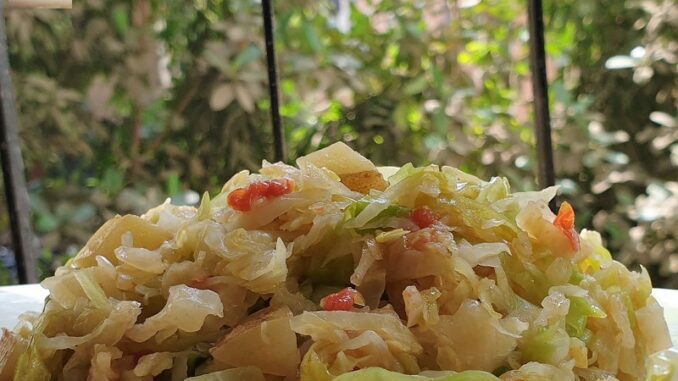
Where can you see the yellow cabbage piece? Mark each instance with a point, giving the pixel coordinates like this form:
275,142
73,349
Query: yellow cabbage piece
265,341
109,237
421,307
11,346
141,259
254,258
153,364
537,221
534,371
122,317
653,329
346,340
472,338
185,310
595,254
101,366
338,158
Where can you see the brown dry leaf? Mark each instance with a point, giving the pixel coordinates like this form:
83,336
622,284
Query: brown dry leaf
244,98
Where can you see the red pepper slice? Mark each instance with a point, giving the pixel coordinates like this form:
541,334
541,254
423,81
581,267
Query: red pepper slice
343,300
242,199
565,222
423,217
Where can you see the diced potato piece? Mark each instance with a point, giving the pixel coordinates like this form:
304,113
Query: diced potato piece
109,237
338,158
265,341
363,182
10,349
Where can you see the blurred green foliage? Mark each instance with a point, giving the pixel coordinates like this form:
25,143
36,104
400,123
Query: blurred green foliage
125,103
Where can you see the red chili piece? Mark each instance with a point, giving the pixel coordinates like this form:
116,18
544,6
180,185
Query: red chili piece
565,221
242,199
423,217
340,301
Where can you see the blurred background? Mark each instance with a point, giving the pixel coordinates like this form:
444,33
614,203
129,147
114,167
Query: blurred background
125,103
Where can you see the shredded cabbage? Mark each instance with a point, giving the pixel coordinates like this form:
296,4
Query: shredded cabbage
185,310
489,286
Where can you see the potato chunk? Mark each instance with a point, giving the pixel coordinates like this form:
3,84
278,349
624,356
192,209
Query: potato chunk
265,341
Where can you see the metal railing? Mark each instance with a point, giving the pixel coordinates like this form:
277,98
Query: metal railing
13,168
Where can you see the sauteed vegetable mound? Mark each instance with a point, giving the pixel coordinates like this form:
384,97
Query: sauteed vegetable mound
336,270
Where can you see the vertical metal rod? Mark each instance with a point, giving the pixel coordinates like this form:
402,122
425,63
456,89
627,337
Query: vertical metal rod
279,153
546,172
13,170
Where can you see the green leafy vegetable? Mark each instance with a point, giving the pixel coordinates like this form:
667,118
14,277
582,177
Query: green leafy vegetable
547,345
580,310
360,205
405,171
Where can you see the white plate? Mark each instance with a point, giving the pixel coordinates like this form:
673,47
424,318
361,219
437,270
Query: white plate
15,300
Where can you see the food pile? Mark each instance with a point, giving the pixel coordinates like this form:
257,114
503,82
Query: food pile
336,270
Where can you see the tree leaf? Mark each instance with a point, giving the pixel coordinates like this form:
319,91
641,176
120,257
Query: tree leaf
217,61
311,36
244,98
246,56
113,181
416,85
120,20
46,222
173,185
222,96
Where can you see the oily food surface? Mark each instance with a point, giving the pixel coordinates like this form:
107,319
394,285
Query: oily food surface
329,271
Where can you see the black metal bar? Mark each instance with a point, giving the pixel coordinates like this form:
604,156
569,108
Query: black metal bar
546,171
13,169
279,153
